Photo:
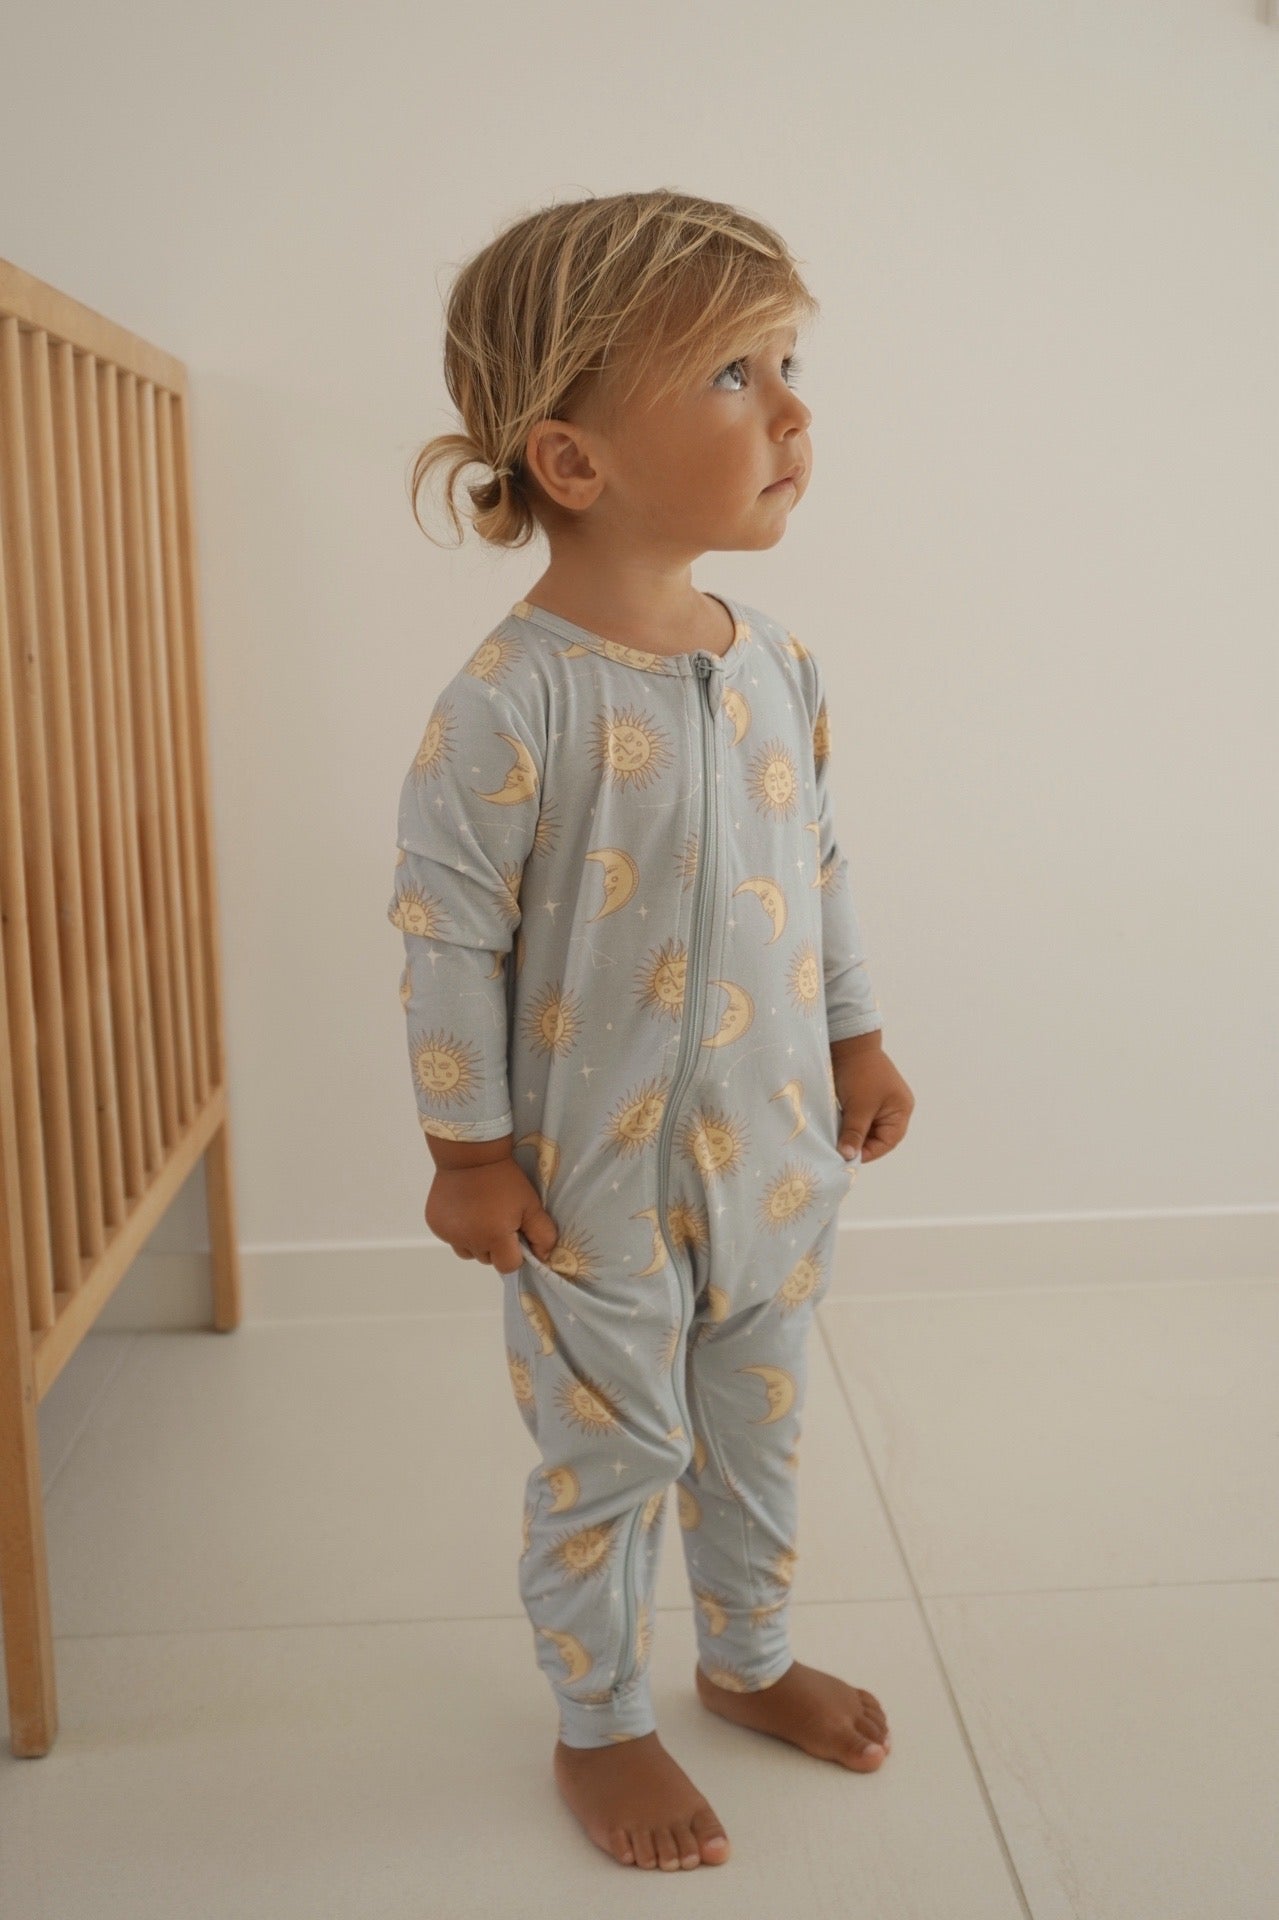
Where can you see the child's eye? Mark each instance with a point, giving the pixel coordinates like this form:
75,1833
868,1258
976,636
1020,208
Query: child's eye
790,361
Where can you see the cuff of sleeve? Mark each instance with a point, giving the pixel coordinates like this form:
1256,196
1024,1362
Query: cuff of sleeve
851,1025
467,1129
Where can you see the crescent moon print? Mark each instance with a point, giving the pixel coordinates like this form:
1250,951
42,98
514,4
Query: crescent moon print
520,783
780,1388
815,828
621,877
658,1259
652,1508
739,714
771,898
736,1017
548,1158
577,1661
793,1093
539,1319
565,1486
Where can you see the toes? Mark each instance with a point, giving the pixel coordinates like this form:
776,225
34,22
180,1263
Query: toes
873,1715
686,1845
875,1720
667,1851
711,1837
619,1846
642,1846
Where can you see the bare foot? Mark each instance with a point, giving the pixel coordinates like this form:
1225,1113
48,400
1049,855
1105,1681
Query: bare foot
638,1804
812,1710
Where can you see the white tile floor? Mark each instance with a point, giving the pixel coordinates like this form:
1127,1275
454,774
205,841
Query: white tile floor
295,1677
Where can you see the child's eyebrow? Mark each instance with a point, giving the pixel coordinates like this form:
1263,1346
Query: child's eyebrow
794,340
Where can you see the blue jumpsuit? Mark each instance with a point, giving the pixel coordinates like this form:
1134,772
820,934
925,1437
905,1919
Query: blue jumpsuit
630,940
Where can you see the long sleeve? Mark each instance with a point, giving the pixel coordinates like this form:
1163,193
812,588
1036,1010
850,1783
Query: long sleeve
468,814
851,1005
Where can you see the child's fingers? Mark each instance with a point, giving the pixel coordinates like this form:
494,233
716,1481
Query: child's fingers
505,1254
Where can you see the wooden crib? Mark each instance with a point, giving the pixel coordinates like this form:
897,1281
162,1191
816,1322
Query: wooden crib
112,1082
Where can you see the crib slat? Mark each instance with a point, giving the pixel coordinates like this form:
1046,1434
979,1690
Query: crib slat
158,627
187,754
159,946
144,1153
118,1087
221,1217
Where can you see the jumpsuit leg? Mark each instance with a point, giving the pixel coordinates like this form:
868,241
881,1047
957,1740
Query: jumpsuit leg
591,1361
746,1375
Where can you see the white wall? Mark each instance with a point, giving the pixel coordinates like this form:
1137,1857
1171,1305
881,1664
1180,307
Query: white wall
1038,554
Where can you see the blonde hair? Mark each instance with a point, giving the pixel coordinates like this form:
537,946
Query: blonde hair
594,297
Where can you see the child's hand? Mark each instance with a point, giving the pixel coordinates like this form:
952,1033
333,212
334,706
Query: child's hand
479,1210
875,1102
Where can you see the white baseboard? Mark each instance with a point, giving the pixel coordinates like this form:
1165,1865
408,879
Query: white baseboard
895,1256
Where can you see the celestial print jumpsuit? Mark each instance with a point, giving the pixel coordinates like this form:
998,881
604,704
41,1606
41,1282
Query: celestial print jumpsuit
630,940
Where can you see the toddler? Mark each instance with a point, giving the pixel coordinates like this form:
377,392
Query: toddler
643,1043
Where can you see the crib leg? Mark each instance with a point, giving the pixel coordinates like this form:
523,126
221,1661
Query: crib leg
224,1247
24,1561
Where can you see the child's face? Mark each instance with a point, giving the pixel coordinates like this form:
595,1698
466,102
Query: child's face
689,476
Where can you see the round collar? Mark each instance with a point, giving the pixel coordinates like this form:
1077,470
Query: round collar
677,663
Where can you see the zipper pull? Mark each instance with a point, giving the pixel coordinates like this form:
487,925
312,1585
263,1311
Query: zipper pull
703,664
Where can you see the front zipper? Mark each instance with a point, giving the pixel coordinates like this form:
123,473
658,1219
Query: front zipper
695,985
690,1031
